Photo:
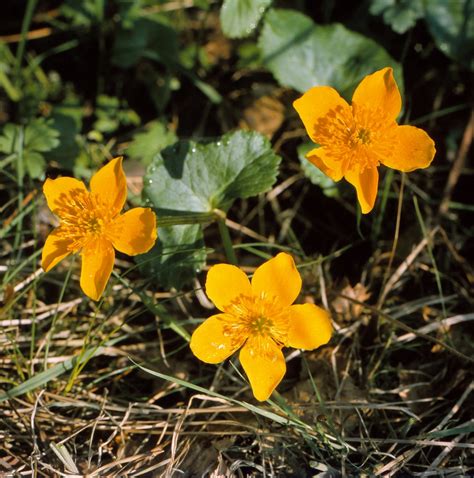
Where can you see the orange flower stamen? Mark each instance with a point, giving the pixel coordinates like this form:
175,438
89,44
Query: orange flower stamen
254,317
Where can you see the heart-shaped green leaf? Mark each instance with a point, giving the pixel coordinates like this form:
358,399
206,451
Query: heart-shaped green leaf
302,54
200,177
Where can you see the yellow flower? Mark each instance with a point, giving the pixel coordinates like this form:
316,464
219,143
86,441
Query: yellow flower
355,139
91,222
259,317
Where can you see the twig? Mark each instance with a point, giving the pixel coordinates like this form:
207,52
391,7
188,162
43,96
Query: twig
402,268
458,164
407,328
456,319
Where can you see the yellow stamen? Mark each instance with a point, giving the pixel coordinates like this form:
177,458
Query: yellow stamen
83,218
357,136
256,319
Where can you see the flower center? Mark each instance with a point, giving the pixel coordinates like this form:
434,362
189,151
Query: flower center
358,136
364,136
260,326
256,318
83,218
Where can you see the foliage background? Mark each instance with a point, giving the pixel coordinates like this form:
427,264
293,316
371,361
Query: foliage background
197,96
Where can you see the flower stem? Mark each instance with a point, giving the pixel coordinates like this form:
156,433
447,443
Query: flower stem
193,218
225,237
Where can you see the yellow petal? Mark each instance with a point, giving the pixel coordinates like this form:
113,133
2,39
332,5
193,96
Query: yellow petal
366,184
210,344
133,232
62,194
264,365
224,283
329,166
109,185
97,264
415,150
278,278
315,104
310,327
55,249
379,91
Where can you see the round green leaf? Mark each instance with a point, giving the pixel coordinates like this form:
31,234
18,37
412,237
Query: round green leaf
240,17
302,54
196,177
451,22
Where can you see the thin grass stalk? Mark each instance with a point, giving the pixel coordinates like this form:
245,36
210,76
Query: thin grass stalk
395,237
30,8
430,252
383,203
20,172
56,315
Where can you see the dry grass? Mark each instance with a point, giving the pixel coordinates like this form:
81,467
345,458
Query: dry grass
392,393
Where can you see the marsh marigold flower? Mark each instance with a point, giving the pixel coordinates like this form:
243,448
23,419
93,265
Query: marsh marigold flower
259,318
91,223
355,139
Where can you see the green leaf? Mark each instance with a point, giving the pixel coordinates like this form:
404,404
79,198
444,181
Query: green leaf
67,120
35,164
151,34
191,177
176,257
451,22
111,113
302,54
41,136
203,4
314,174
468,428
145,146
196,177
239,18
259,411
55,371
8,138
42,378
401,15
7,65
249,55
83,13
